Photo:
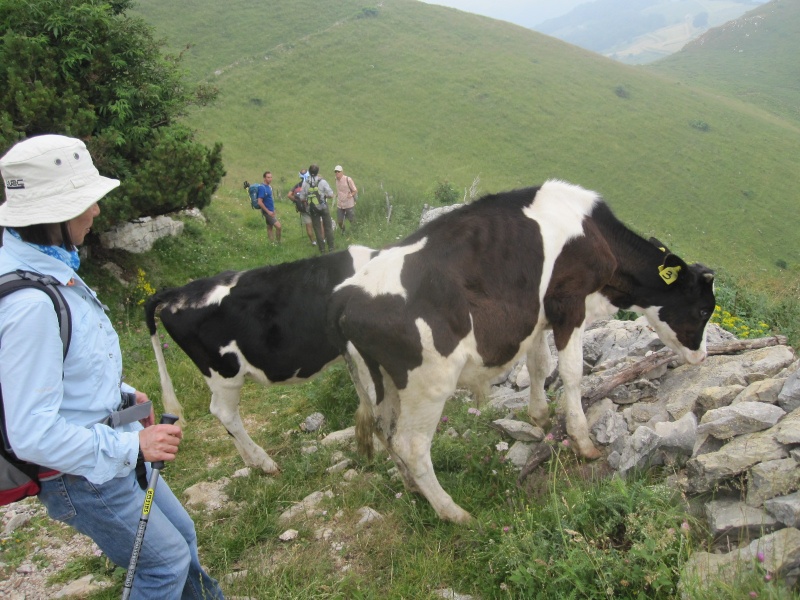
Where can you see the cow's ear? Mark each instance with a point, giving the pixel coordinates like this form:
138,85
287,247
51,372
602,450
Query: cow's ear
659,244
672,269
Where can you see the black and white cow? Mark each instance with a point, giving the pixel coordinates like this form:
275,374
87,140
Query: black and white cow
464,297
268,324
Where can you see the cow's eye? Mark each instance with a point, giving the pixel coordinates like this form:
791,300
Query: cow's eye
705,314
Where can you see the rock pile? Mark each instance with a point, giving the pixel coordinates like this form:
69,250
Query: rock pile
730,429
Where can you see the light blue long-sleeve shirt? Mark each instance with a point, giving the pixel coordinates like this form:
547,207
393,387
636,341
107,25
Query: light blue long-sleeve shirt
53,404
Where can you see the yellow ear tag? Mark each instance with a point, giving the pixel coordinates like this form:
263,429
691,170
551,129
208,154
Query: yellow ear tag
669,274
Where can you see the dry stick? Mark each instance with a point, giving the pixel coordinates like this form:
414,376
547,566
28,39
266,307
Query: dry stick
542,452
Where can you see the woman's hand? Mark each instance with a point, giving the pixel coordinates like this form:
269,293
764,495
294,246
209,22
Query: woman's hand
141,398
160,442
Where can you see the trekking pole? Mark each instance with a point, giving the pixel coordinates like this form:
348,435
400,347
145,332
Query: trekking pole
155,467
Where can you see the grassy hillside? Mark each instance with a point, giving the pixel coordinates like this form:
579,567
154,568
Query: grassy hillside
753,58
406,94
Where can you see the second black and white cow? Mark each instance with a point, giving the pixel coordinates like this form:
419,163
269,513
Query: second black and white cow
465,296
268,324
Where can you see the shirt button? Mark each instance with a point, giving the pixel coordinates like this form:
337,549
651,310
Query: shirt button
127,463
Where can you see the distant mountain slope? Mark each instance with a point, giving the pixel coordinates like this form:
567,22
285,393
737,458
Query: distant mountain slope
640,31
406,94
755,58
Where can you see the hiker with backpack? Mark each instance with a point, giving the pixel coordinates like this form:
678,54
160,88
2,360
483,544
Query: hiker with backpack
301,206
65,407
347,195
316,191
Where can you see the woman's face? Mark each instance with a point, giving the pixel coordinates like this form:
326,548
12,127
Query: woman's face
80,226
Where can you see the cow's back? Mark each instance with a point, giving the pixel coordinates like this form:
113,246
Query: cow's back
274,316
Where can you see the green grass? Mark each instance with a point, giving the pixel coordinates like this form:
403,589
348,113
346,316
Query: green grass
407,95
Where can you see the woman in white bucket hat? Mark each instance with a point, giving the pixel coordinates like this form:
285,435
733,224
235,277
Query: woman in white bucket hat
56,407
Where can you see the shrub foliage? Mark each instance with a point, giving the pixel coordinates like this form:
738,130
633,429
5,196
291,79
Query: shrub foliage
84,68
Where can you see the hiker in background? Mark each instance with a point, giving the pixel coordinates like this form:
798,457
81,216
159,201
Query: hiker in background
301,206
346,197
56,406
267,205
317,192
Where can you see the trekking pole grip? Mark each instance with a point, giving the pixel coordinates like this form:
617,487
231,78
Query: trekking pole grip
166,419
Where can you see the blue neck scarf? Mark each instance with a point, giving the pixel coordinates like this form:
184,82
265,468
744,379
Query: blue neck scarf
69,258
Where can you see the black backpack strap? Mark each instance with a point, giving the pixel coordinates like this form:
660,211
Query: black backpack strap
19,279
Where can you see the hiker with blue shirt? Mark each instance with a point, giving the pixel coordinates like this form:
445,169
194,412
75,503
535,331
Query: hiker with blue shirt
267,205
56,406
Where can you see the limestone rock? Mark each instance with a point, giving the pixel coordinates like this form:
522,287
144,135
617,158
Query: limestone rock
717,396
313,422
639,451
738,419
781,551
789,396
787,431
772,478
519,430
140,235
765,391
786,509
307,506
737,519
678,436
735,457
518,454
368,516
344,435
207,495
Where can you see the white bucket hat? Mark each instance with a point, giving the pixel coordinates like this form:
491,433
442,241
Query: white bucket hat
49,179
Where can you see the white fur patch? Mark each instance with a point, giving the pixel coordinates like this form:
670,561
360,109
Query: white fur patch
381,275
559,209
214,296
361,255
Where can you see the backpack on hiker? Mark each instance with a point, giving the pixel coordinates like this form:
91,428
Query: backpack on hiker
300,205
252,190
315,196
18,478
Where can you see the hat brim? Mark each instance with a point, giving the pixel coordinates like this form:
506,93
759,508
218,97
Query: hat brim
58,208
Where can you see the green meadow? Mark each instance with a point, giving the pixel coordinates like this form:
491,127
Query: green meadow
406,95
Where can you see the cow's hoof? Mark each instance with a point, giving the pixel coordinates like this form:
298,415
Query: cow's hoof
588,451
269,466
455,514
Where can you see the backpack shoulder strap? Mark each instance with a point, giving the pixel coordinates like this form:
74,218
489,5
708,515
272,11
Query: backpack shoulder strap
19,279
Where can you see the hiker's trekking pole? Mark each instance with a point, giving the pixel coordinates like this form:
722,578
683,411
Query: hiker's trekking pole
155,467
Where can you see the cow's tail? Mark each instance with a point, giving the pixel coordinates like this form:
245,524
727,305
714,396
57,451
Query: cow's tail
168,396
365,421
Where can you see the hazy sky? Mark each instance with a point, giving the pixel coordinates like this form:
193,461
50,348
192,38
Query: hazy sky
522,12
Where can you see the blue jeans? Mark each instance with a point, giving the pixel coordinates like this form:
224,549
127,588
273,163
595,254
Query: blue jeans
168,564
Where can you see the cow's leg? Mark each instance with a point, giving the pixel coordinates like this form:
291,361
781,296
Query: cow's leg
570,366
225,406
539,368
415,415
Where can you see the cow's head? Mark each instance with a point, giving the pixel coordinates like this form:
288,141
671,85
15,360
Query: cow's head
680,306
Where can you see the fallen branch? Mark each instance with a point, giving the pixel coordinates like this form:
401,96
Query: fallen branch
543,451
666,355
